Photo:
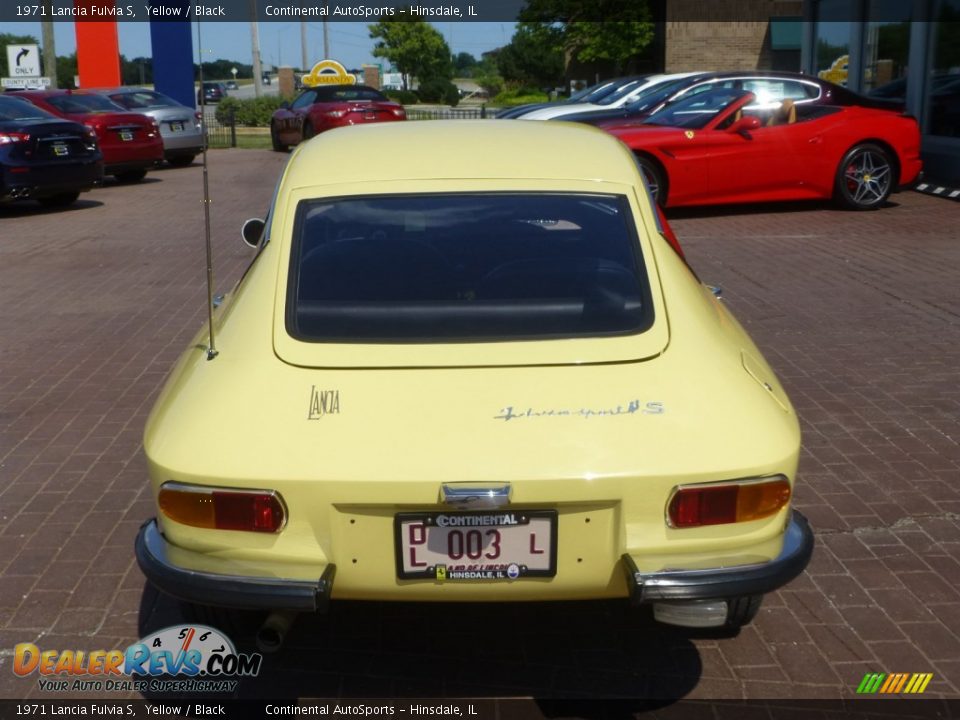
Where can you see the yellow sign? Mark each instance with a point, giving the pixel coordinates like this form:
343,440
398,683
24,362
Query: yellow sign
837,72
328,72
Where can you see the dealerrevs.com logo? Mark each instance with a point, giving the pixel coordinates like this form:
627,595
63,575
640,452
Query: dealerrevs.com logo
181,658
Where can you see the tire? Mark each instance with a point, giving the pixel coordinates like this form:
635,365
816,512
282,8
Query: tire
275,139
131,176
865,178
308,131
59,200
742,610
655,179
181,160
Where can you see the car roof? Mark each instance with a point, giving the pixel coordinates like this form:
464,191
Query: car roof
461,149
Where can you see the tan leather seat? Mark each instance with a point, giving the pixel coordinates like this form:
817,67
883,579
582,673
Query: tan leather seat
786,114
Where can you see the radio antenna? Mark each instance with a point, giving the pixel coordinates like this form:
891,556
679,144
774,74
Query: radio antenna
212,350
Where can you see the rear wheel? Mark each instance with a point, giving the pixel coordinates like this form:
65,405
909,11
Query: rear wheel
181,160
655,180
275,139
864,178
742,610
131,176
59,200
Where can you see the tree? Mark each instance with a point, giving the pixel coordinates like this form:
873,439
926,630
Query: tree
464,64
588,36
534,57
414,47
66,70
11,39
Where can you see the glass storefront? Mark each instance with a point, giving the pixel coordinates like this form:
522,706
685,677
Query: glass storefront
886,48
942,116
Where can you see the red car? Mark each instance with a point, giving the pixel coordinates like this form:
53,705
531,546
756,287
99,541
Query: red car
329,106
130,142
711,149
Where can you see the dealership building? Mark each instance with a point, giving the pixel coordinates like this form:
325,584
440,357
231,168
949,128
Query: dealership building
899,49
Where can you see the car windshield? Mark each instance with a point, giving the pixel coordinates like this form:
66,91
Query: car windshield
696,111
76,103
143,99
655,94
333,93
16,109
594,92
466,267
621,91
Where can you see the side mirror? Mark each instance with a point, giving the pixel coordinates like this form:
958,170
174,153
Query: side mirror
744,125
252,231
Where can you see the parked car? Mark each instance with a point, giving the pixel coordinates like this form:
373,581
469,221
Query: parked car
130,142
470,378
620,97
231,85
44,157
211,92
591,94
328,106
718,147
770,89
180,127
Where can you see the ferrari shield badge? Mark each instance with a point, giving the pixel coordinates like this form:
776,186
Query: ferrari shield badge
689,134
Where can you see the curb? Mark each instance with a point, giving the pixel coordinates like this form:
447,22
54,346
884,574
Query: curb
938,190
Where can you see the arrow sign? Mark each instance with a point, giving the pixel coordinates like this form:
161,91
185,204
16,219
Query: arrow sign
23,61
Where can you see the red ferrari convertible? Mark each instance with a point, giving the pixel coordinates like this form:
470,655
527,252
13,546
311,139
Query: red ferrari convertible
710,149
329,106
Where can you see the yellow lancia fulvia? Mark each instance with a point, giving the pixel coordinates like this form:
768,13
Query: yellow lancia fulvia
467,364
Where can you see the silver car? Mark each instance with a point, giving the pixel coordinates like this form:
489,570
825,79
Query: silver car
179,125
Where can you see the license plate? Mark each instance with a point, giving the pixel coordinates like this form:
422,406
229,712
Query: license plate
126,136
176,126
60,150
369,116
461,546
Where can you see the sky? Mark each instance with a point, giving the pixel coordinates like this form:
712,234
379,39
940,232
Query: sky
350,43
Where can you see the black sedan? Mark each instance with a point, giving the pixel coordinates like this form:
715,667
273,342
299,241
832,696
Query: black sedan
770,88
44,157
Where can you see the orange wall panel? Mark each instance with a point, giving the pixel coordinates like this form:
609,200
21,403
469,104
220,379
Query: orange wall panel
98,49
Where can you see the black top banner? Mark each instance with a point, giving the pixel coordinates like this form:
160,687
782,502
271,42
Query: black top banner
433,10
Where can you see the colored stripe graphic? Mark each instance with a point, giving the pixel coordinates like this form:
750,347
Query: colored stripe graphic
894,683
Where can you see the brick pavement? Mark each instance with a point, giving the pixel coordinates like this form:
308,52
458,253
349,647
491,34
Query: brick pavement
858,312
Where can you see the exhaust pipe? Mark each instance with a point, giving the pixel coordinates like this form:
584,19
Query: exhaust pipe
274,630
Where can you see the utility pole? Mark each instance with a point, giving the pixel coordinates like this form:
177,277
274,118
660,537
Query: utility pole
49,46
303,46
255,43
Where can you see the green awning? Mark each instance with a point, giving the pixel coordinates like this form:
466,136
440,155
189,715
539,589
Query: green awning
785,33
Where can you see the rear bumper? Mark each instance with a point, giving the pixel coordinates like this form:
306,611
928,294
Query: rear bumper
217,590
727,582
53,179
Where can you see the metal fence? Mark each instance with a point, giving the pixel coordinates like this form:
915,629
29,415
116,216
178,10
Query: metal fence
471,113
220,134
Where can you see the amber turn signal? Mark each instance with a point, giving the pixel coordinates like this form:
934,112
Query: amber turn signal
222,508
729,502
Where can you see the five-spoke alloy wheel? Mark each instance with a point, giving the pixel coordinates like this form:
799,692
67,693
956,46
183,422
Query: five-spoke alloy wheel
865,178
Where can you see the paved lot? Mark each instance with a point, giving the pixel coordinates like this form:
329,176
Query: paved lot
858,312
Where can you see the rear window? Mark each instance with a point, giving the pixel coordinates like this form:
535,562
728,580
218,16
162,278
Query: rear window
466,267
17,109
346,93
83,104
142,99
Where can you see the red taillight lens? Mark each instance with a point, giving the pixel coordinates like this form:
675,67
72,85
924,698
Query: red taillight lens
7,138
400,112
335,113
222,509
721,503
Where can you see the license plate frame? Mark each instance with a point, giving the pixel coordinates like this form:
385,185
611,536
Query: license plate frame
61,149
126,135
539,526
176,126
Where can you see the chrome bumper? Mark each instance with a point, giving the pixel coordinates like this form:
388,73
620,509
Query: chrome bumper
726,582
251,593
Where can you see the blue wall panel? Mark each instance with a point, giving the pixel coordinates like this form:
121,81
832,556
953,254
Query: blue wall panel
172,44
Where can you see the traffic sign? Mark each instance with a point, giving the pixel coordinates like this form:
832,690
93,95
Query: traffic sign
23,61
25,83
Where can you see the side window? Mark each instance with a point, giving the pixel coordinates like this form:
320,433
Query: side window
304,100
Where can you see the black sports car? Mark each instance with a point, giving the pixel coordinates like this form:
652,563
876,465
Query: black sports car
43,157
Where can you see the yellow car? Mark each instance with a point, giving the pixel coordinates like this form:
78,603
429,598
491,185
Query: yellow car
466,365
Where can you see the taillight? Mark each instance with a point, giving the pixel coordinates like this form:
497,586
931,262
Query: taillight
400,112
222,508
7,138
728,502
335,113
